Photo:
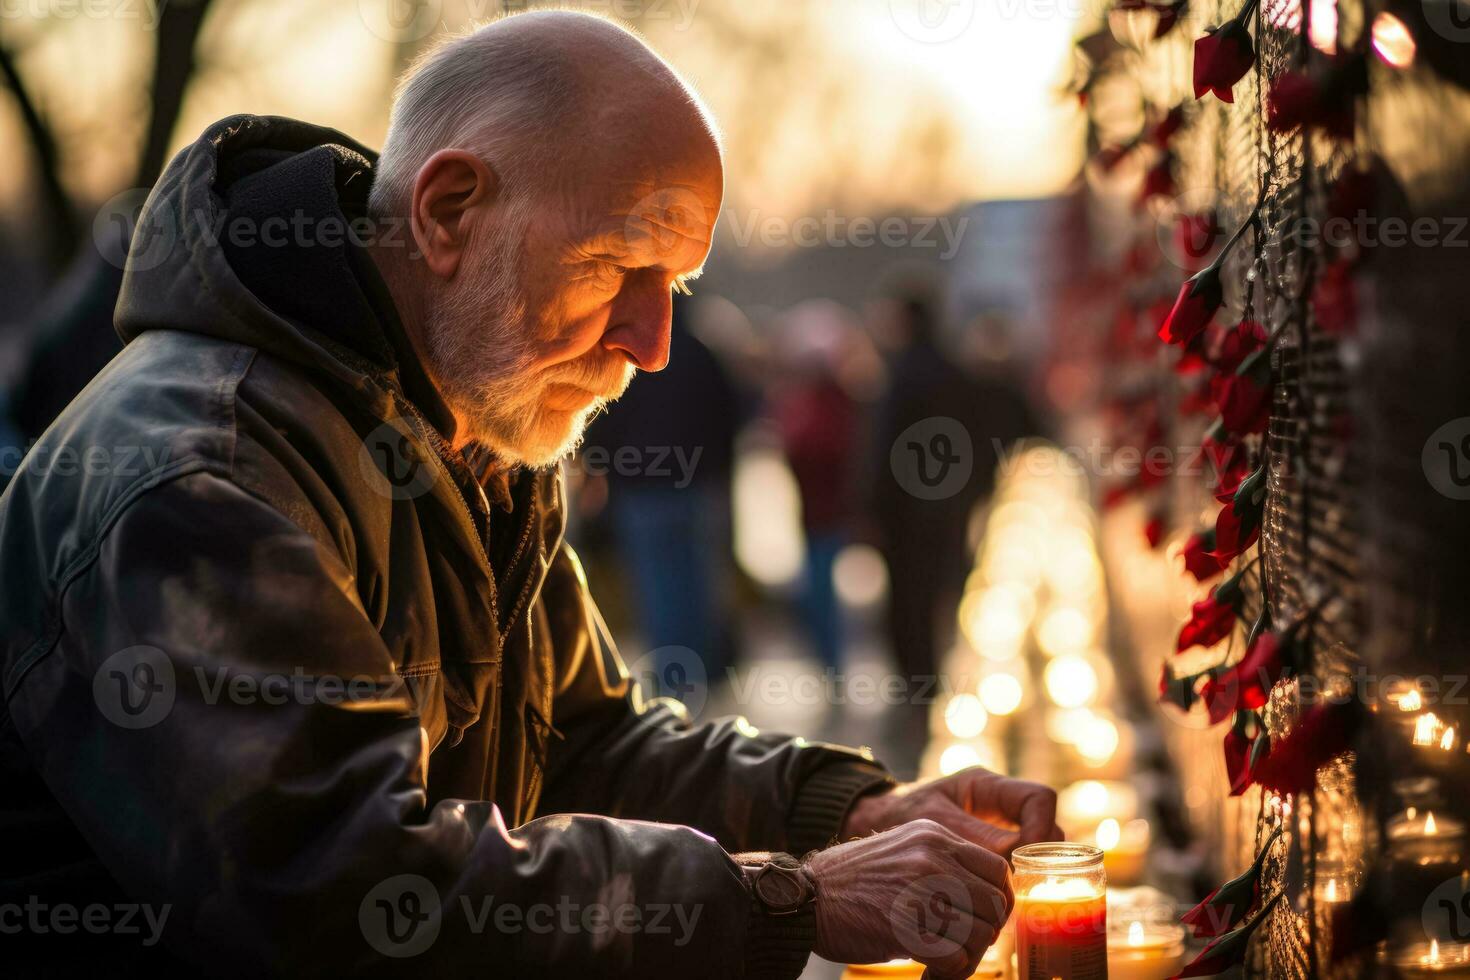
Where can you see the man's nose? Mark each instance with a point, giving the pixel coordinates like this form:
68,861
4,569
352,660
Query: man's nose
642,322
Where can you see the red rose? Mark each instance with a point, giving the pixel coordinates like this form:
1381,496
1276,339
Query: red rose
1199,299
1326,731
1159,181
1165,129
1248,684
1244,405
1239,523
1199,560
1295,101
1238,343
1233,535
1223,56
1154,531
1325,99
1212,618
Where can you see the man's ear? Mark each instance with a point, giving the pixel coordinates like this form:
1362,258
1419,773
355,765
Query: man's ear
450,186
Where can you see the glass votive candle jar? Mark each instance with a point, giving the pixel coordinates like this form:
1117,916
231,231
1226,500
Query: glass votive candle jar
1061,912
1424,839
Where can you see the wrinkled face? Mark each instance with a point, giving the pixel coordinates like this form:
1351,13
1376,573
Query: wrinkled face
560,302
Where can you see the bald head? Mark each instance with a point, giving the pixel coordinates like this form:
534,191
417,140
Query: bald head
559,182
540,96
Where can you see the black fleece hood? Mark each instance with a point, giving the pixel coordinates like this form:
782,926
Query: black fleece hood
255,234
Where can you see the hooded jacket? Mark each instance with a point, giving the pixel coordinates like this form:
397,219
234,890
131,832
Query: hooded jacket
288,673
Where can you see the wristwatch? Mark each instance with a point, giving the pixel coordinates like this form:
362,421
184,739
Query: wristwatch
781,885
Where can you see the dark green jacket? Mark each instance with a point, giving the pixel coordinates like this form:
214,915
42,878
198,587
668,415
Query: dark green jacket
278,660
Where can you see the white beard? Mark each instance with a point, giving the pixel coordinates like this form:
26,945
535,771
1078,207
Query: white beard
480,351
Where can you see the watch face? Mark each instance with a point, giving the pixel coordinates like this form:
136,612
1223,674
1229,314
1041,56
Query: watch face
781,889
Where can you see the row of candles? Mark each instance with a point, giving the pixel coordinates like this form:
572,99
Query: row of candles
1032,619
1068,924
1036,597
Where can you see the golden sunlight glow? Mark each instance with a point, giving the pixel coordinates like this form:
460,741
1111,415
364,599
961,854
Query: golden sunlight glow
1071,681
1324,26
956,757
1001,693
1001,73
965,716
767,506
1064,629
1392,40
1100,742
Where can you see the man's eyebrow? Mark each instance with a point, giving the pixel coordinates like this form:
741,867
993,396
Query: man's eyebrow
681,281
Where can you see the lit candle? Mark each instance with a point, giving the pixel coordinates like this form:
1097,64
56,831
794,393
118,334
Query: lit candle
1125,849
1433,959
992,967
1084,804
1425,840
1061,912
1142,951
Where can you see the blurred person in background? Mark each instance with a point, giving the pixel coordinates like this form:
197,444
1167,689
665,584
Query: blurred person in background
667,468
818,421
925,540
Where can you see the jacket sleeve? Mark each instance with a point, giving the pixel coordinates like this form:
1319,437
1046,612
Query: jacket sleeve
225,727
625,756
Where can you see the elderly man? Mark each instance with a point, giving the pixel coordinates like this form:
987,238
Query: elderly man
300,676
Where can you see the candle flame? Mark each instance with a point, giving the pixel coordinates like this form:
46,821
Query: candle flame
1054,889
1412,812
1426,728
1448,740
1109,833
1411,701
1433,958
1332,889
1430,828
1135,934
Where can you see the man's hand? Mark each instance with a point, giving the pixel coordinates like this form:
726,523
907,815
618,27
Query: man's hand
993,811
918,891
